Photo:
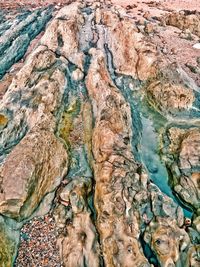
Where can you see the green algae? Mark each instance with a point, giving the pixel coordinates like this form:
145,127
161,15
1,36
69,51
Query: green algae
88,125
9,239
66,125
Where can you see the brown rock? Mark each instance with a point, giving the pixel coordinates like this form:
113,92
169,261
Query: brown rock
61,36
36,95
34,168
80,246
149,28
4,84
167,240
185,146
119,240
132,54
147,15
183,21
170,97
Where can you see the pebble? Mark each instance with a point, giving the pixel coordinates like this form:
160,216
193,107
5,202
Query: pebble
196,46
38,244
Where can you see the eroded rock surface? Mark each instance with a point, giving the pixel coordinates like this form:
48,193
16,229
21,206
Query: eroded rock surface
185,20
182,158
80,246
73,118
34,168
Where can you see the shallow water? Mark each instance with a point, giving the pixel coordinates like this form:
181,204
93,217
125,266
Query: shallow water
151,160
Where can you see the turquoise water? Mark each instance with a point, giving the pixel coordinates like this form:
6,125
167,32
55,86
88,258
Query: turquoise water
151,160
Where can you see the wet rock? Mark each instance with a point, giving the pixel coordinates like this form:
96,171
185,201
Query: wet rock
116,172
74,109
194,256
113,165
9,242
14,42
61,36
167,241
183,162
32,98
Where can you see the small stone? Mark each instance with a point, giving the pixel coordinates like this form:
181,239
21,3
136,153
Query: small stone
198,60
147,15
173,50
187,222
196,46
149,28
77,75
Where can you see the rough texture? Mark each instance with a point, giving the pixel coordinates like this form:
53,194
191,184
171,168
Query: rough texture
170,97
182,159
80,246
38,163
185,20
99,135
132,54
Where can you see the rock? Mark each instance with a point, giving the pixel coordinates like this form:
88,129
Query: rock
170,97
12,46
193,69
196,46
41,96
9,242
61,36
80,246
182,20
119,243
134,56
188,35
167,241
3,120
34,168
184,146
149,28
77,75
114,164
72,120
4,84
147,15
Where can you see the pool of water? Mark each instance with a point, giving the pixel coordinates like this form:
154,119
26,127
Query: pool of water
151,160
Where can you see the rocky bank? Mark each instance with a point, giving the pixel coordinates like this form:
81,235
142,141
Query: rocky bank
99,134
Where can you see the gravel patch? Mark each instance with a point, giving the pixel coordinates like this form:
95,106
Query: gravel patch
38,244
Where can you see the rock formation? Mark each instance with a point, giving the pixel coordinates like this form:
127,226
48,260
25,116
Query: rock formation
99,139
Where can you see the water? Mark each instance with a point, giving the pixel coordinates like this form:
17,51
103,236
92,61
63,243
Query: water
150,158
